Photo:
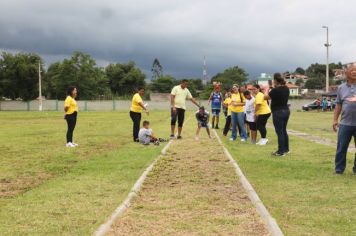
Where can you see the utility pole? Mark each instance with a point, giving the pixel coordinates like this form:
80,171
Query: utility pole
327,45
39,87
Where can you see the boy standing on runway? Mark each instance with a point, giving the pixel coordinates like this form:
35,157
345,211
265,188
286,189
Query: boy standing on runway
202,117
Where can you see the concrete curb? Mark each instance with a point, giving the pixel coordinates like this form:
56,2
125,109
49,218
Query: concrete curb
272,225
105,228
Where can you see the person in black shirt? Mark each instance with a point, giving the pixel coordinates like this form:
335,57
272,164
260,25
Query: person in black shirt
202,117
280,111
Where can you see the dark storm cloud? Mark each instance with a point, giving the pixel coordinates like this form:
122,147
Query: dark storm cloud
261,36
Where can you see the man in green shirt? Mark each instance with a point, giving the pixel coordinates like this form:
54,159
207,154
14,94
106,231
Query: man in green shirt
179,95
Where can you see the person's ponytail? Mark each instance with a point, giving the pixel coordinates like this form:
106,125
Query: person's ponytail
279,79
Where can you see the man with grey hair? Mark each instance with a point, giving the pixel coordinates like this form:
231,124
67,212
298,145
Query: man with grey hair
346,106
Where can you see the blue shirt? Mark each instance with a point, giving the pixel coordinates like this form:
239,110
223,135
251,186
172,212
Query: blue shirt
348,110
216,98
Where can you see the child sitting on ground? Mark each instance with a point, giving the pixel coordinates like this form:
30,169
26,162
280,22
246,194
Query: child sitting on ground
145,135
202,117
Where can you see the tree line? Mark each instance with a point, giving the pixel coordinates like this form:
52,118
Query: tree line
19,78
317,73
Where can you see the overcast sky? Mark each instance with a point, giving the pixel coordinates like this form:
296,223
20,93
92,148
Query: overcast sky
258,35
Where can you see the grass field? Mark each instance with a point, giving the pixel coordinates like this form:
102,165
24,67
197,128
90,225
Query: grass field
47,189
300,190
314,123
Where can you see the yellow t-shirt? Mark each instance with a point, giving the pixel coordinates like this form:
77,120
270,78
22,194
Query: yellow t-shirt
236,98
264,108
136,100
227,102
180,96
71,104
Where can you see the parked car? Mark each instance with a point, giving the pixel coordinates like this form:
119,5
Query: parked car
310,106
315,106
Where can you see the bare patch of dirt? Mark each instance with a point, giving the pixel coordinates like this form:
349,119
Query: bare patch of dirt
12,187
191,191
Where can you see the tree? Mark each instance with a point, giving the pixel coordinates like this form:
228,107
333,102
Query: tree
300,71
198,83
319,70
230,76
163,84
19,75
124,78
315,83
80,71
157,70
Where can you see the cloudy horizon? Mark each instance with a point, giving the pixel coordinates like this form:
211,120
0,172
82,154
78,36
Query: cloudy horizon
259,36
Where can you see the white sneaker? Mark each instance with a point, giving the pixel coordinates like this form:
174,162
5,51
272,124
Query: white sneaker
70,145
259,142
75,144
231,139
243,140
263,142
196,138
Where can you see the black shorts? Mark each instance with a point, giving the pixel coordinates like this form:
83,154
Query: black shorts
252,125
203,124
178,114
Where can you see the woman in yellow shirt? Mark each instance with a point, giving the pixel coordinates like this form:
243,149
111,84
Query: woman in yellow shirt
237,114
137,106
227,106
71,110
263,112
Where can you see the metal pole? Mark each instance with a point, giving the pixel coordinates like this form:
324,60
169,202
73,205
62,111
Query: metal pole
327,59
327,45
39,87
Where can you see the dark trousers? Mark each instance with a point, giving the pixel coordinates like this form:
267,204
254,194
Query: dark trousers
178,114
136,119
345,135
280,121
71,122
227,125
261,124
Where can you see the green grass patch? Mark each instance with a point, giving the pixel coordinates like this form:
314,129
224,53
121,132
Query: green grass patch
301,190
314,123
60,191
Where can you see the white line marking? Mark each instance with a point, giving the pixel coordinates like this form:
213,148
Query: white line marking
272,225
106,227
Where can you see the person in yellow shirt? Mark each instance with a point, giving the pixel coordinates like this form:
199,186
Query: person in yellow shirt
237,114
71,111
227,106
137,106
262,114
179,95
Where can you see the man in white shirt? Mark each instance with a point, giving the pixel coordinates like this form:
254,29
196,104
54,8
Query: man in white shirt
179,95
249,110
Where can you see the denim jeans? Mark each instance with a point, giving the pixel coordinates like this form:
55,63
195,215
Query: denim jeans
238,118
344,137
280,121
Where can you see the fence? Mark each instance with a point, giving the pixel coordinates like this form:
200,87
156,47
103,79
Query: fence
105,105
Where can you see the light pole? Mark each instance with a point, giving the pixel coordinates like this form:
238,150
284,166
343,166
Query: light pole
327,45
39,87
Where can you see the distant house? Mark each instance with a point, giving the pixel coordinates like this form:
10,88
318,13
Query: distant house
264,79
293,78
339,74
293,90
